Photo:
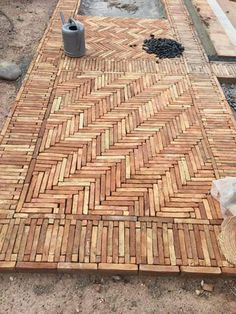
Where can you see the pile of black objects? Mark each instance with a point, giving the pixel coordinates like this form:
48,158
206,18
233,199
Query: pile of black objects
163,47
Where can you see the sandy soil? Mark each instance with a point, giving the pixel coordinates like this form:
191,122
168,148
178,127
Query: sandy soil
76,293
80,293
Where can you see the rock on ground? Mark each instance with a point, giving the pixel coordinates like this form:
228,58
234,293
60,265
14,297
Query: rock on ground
9,71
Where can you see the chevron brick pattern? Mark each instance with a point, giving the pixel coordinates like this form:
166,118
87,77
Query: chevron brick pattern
118,146
107,161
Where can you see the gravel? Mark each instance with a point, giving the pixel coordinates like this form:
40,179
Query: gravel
163,47
230,94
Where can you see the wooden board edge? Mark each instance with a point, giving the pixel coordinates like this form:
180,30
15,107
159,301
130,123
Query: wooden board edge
158,269
68,266
200,270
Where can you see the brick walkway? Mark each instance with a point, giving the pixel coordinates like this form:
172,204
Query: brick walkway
107,161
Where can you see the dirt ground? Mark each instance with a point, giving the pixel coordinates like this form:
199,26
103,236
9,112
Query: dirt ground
22,24
83,293
80,293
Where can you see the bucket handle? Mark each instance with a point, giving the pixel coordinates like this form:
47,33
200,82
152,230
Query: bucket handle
72,21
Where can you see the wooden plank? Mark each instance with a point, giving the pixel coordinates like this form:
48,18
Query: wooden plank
159,269
200,270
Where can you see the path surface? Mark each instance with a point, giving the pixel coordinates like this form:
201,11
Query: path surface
107,160
63,293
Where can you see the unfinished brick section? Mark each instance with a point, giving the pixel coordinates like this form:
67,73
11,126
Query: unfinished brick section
107,161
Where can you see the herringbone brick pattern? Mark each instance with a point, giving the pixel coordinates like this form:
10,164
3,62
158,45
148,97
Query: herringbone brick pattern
107,161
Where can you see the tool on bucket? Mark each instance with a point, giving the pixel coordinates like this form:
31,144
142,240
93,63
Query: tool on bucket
73,37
